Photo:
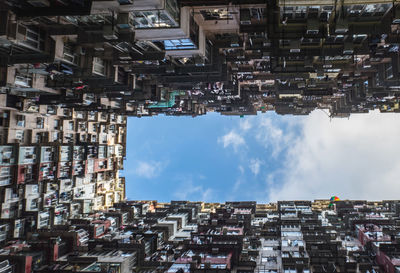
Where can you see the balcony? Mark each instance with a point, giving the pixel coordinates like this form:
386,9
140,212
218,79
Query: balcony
65,153
7,155
23,81
5,172
98,67
43,220
5,181
151,14
47,154
27,155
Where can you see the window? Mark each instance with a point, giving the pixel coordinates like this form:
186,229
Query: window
23,80
79,114
359,38
167,18
173,9
216,14
20,120
55,136
19,134
179,44
388,71
66,112
98,66
69,138
37,138
91,116
56,124
294,12
311,41
34,37
5,171
69,54
82,126
40,123
102,152
99,230
51,109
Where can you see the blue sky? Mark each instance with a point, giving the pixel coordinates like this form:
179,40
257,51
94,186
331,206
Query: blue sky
267,157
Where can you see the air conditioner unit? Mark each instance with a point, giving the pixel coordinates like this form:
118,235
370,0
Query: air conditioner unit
367,64
313,26
4,17
39,3
245,17
170,69
308,63
342,26
99,46
21,81
82,50
348,48
294,46
199,61
124,21
235,41
20,32
125,56
266,44
396,16
128,36
125,2
109,32
62,2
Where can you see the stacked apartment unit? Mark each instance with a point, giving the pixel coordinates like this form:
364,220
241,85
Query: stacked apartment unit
187,57
146,236
61,144
57,163
71,71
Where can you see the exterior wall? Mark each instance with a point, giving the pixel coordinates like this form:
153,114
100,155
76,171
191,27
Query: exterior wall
383,260
48,171
155,34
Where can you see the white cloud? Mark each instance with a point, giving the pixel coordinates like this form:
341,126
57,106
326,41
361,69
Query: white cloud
255,165
150,169
353,159
270,179
241,169
192,189
188,190
245,125
232,139
237,185
270,134
195,193
207,195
